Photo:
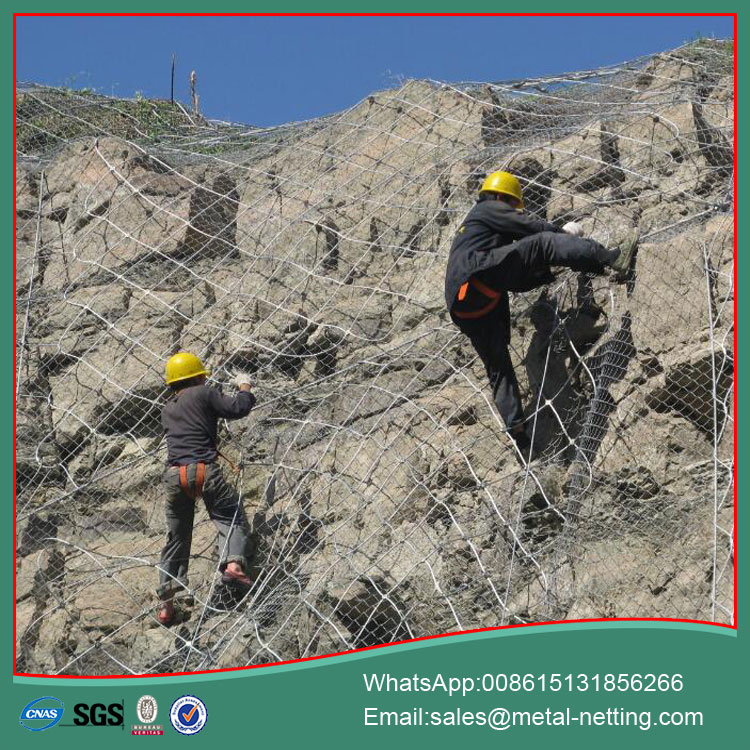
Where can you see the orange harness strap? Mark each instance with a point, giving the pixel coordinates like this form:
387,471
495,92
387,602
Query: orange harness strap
482,288
200,476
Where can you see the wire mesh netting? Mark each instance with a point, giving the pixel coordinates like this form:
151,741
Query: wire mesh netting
384,496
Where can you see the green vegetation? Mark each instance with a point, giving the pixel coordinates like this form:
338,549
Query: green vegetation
48,117
700,46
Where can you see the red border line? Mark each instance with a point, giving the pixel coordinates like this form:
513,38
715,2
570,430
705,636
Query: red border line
383,15
15,342
371,648
734,468
422,638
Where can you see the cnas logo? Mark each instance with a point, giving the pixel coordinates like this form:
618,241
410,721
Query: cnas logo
42,713
99,715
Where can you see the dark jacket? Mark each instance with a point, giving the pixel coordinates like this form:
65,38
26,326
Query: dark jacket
484,240
190,419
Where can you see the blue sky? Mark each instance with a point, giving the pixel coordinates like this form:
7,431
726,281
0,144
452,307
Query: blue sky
267,71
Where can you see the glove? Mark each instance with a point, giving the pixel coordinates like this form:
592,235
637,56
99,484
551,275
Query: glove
241,378
574,228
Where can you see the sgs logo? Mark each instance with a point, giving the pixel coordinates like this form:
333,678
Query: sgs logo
99,715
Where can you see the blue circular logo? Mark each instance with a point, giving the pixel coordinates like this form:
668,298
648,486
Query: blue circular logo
188,714
42,713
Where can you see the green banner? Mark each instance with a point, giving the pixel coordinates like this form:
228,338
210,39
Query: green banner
568,685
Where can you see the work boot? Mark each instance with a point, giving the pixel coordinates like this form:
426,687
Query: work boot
230,578
598,261
609,258
166,613
622,262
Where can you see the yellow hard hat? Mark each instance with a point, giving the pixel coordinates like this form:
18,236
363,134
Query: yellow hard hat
505,184
182,366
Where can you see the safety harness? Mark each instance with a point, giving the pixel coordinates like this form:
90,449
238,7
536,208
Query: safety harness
493,296
200,476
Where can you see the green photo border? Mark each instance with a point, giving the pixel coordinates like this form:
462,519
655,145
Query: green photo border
321,702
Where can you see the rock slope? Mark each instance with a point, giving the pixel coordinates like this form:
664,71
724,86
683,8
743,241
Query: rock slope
383,494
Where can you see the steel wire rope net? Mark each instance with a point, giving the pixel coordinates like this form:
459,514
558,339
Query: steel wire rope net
384,495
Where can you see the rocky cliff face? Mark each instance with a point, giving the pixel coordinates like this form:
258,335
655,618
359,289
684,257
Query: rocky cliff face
384,496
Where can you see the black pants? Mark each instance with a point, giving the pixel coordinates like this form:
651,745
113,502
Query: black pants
525,268
222,504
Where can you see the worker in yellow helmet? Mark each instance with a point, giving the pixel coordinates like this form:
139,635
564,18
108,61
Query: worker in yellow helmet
190,420
499,249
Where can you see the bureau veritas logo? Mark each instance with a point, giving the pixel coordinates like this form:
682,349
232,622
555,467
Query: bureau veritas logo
147,710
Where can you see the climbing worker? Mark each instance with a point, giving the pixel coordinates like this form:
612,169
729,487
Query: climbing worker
190,419
499,249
